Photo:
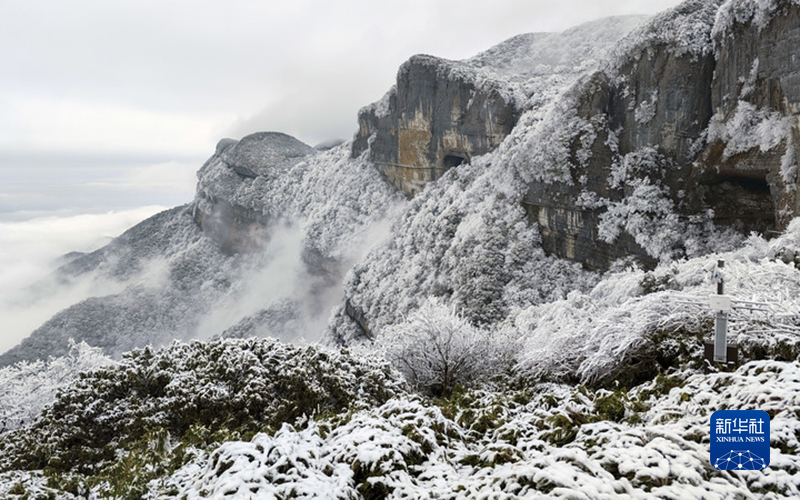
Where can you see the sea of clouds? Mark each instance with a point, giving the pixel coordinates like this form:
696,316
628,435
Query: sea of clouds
50,208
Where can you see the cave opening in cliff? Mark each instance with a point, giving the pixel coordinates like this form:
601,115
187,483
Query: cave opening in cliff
743,201
452,160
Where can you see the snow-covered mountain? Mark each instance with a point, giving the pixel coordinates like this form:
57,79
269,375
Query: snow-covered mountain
553,208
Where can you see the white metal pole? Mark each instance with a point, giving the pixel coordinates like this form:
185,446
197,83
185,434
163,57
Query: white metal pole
721,322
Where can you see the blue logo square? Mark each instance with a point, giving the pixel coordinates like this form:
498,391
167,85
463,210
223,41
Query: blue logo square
740,439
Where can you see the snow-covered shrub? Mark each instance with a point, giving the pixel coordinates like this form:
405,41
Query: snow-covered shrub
26,388
759,12
644,208
633,324
647,214
556,443
551,441
241,385
436,349
646,110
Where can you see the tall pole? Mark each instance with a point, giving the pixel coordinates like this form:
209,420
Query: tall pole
721,322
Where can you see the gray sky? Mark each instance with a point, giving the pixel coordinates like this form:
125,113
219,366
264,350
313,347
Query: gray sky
168,78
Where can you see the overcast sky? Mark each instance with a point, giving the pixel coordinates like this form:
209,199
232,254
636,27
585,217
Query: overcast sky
168,78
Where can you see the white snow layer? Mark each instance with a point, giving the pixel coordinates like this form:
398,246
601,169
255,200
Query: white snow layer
407,449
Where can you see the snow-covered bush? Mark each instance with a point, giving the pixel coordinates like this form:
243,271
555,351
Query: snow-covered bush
634,324
26,388
647,214
436,350
240,385
555,441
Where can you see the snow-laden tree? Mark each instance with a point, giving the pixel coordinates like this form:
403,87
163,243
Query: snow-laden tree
437,349
26,388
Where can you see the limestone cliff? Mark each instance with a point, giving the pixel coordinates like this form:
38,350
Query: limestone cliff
436,118
229,206
705,93
442,113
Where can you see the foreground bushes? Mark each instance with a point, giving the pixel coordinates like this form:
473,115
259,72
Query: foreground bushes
244,386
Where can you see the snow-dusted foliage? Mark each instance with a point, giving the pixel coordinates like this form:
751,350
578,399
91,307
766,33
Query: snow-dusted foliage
557,442
789,165
517,64
467,242
437,350
465,238
684,29
450,291
646,109
648,215
750,128
241,385
543,154
759,12
553,441
26,388
635,323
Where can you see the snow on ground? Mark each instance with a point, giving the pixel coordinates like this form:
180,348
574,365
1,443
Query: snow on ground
554,446
588,333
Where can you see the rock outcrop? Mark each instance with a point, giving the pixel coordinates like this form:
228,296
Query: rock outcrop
442,113
748,171
436,118
652,102
228,206
697,110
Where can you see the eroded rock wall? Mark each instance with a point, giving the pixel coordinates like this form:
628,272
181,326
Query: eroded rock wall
659,100
435,118
229,205
748,171
724,125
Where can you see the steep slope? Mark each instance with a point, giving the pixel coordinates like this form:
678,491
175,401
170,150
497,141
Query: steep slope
261,251
610,161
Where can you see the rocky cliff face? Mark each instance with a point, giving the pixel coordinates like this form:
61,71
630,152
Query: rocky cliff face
443,113
228,206
700,104
436,118
748,170
645,114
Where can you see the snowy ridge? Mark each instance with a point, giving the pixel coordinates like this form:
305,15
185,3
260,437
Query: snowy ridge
575,50
685,29
734,12
169,280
